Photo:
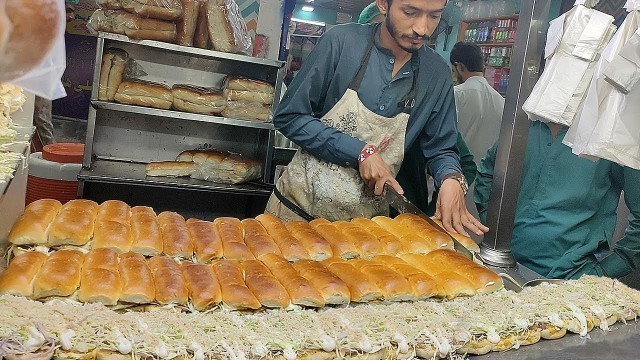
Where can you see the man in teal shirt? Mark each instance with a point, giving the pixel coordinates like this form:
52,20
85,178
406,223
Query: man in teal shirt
566,210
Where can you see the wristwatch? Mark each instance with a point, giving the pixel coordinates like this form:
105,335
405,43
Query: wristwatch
461,179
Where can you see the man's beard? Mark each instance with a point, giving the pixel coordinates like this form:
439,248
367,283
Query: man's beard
394,34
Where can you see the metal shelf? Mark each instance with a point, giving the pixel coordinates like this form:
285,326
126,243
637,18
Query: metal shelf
119,172
104,105
192,50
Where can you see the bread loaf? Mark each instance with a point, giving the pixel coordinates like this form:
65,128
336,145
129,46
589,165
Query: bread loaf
394,286
186,24
32,227
290,247
120,20
204,289
221,167
144,93
339,246
111,73
114,210
18,278
424,286
231,235
249,95
420,225
246,110
197,100
235,293
391,245
74,224
484,280
145,231
100,280
412,241
366,244
170,10
59,275
258,239
138,28
112,235
244,84
101,20
317,247
361,287
168,281
299,289
452,284
266,288
175,235
332,288
206,240
227,29
466,241
170,168
137,280
201,36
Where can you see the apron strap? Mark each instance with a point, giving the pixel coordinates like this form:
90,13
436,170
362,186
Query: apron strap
291,206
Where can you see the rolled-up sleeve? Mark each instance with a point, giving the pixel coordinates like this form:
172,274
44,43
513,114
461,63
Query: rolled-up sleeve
295,116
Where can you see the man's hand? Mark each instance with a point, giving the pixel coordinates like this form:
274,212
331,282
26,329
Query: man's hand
375,173
452,210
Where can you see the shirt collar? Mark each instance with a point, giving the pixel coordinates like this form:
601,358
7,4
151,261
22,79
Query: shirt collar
415,57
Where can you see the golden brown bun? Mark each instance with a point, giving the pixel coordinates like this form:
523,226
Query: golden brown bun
145,231
114,63
35,26
464,240
258,239
366,244
420,225
114,210
206,240
266,288
249,95
222,167
333,289
59,275
112,235
100,285
101,258
168,281
339,246
74,224
484,280
452,283
137,280
170,168
413,242
231,235
175,235
391,245
144,93
239,83
289,246
235,293
394,286
245,110
299,289
317,247
17,279
361,287
204,290
33,225
186,24
424,286
197,100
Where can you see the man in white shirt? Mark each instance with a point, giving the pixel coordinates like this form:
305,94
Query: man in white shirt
478,105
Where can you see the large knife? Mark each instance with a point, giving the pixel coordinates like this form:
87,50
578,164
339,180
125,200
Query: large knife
403,205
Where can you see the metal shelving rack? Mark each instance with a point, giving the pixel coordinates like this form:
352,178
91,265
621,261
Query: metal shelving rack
121,139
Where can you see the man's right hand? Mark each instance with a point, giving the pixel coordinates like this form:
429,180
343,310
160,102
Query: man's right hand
375,173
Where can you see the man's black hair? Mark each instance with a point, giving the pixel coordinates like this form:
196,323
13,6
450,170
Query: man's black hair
468,54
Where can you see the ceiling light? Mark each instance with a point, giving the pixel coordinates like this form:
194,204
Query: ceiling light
307,8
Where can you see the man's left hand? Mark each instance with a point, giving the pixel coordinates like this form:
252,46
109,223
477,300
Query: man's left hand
452,210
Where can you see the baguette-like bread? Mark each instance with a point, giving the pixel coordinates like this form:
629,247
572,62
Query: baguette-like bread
168,281
111,73
418,224
169,10
452,283
290,247
201,36
112,235
105,68
145,231
235,293
175,235
366,244
74,224
231,235
266,288
187,23
249,95
197,100
339,246
424,285
114,210
204,289
222,167
206,240
59,275
393,285
391,245
413,242
361,287
466,241
18,278
144,93
100,280
170,168
258,239
137,280
333,289
246,110
244,84
484,280
33,225
299,289
317,247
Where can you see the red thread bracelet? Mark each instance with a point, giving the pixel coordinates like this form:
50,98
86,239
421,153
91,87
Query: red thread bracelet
366,152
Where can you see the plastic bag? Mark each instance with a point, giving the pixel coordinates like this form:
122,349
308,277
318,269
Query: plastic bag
169,10
247,110
109,4
227,27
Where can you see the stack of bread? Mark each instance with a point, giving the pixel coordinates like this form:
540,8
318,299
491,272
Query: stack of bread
215,24
248,99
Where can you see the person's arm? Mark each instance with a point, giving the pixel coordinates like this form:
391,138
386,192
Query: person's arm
484,180
469,167
305,96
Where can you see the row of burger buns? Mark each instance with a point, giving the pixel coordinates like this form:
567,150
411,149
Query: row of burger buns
209,24
104,276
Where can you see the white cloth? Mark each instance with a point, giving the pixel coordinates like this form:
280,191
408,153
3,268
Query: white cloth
607,126
479,108
561,89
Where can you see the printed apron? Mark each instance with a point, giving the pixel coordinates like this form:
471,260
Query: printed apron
330,191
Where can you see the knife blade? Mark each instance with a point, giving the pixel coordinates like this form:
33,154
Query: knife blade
403,205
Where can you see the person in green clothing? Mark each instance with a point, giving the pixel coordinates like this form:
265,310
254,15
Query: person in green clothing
566,210
412,176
